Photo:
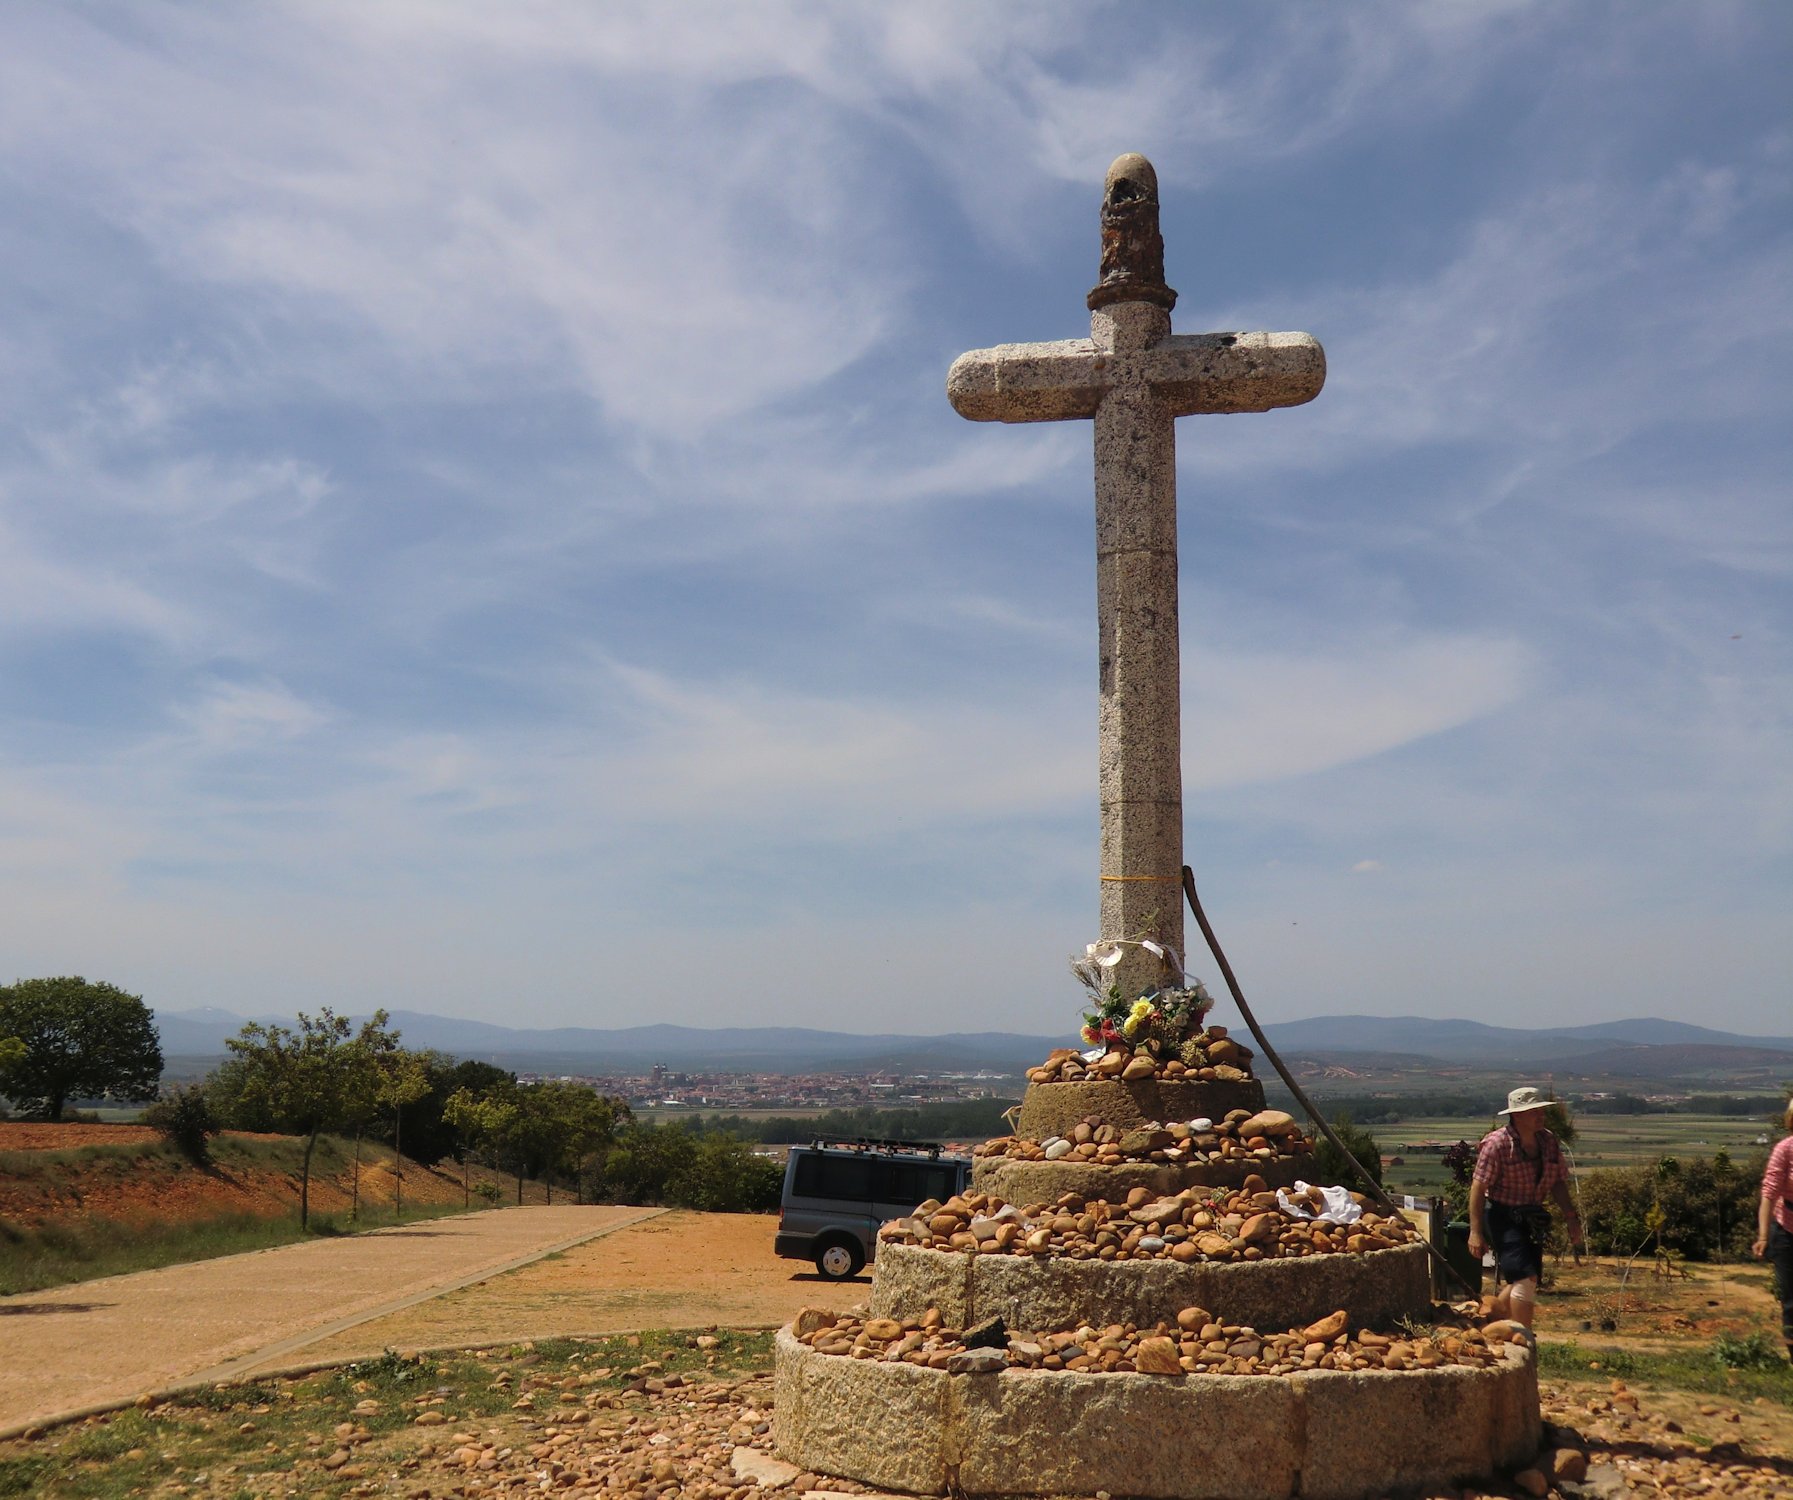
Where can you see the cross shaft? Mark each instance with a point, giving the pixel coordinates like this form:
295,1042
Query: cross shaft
1133,377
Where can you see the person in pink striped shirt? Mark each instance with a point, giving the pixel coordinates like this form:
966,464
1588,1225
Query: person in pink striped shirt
1774,1224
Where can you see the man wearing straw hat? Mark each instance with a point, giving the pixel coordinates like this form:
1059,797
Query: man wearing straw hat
1517,1165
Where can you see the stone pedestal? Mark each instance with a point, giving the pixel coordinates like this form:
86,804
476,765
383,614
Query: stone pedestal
1055,1108
1325,1434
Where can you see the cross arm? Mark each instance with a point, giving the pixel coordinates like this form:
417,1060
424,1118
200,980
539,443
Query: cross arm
1220,372
1050,382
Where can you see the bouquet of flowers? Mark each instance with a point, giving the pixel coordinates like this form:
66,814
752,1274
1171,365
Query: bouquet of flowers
1158,1022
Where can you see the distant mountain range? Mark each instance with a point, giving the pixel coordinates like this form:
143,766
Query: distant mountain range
1643,1048
635,1049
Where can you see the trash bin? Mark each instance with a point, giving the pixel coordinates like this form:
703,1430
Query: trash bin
1457,1256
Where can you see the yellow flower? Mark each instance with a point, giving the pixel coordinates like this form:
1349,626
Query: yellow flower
1142,1010
1130,1026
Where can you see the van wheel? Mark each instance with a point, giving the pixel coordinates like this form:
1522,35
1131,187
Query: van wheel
839,1259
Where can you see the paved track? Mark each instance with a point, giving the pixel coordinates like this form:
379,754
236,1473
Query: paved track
111,1340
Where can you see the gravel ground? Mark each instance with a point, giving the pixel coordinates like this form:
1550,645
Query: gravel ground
680,1270
712,1442
706,1436
688,1417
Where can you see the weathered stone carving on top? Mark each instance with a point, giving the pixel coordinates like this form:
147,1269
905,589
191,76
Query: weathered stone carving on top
1133,377
1132,247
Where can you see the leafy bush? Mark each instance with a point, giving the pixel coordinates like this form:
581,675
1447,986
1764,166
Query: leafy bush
1559,1122
226,1397
184,1118
725,1177
389,1369
1757,1352
668,1164
1330,1166
1692,1207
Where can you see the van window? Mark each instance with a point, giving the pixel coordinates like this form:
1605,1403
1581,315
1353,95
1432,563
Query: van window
849,1177
912,1182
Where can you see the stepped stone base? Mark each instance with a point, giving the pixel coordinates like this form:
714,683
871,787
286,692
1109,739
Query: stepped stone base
1055,1108
1325,1435
1023,1182
1037,1293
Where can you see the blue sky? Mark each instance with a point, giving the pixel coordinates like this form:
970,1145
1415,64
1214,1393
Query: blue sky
483,531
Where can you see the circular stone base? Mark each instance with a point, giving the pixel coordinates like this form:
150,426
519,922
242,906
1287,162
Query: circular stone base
1049,1109
1033,1293
1322,1434
1024,1182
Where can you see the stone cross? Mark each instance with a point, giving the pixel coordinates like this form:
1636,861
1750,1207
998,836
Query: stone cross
1134,377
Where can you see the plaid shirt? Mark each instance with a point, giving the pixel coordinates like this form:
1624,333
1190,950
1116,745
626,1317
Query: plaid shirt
1511,1177
1777,1183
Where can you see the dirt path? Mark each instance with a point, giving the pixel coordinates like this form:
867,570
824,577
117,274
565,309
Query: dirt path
682,1270
112,1339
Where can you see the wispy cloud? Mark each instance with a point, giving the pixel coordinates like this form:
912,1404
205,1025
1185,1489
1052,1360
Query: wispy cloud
478,493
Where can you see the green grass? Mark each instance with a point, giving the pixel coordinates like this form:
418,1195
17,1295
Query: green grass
136,1452
76,1249
284,1153
69,1251
37,1166
1697,1370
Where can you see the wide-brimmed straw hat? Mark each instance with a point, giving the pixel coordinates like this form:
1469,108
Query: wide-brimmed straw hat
1522,1099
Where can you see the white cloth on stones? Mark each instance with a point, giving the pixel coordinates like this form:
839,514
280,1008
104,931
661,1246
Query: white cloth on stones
1338,1205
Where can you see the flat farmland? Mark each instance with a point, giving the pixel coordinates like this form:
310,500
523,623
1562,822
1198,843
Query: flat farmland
669,1115
1601,1141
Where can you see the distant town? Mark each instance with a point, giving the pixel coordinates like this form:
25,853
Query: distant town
664,1088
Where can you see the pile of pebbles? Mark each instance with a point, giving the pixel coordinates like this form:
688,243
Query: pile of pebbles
668,1437
1196,1344
1241,1137
1207,1057
1220,1224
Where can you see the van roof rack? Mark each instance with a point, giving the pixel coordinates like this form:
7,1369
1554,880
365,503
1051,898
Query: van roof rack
931,1149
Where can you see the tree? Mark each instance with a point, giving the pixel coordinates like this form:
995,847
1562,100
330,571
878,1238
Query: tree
690,1168
428,1136
236,1101
725,1177
184,1118
1460,1161
363,1064
485,1120
12,1053
1722,1173
403,1080
80,1040
1558,1122
573,1124
1677,1204
647,1159
305,1081
1330,1166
